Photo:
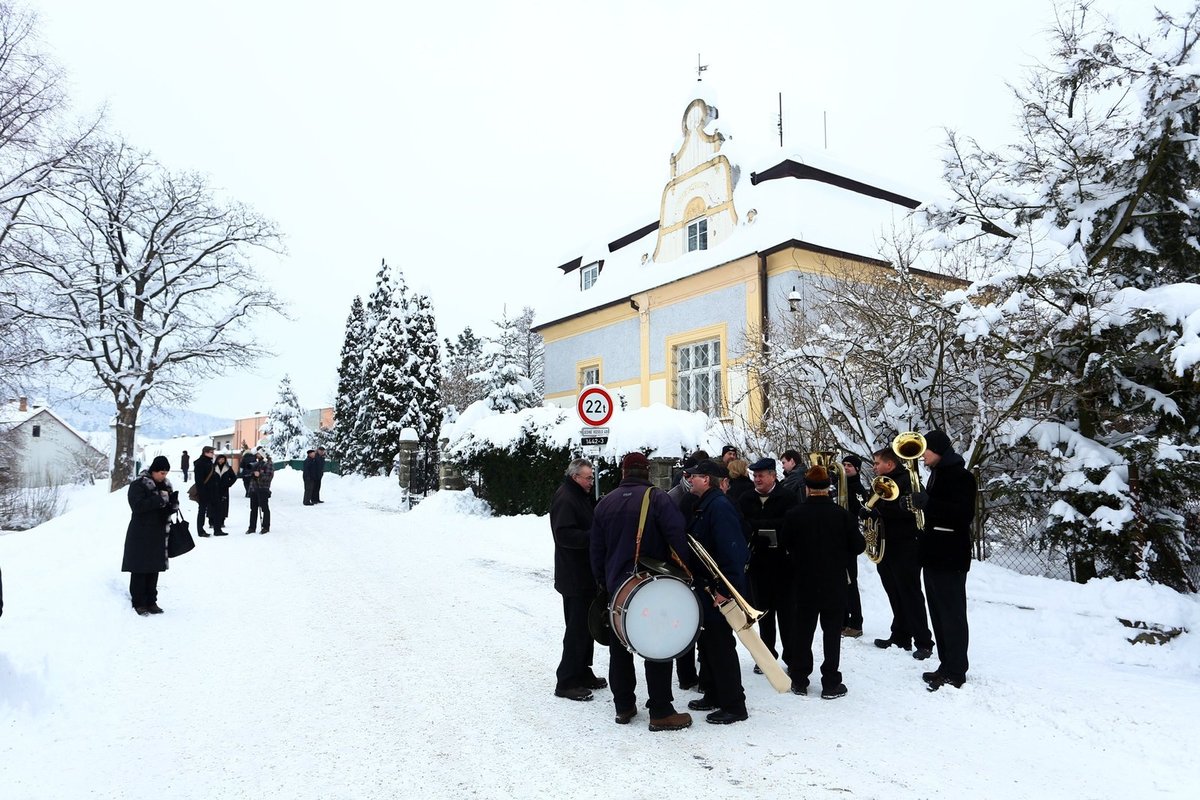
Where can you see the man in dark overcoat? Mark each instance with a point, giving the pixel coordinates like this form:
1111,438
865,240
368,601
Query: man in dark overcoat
612,549
900,569
819,538
320,474
945,551
856,495
763,510
309,473
571,511
205,494
185,462
717,526
152,501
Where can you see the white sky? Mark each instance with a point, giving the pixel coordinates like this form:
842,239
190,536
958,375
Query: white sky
477,144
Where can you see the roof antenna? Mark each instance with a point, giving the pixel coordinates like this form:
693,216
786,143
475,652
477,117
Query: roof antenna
780,125
700,69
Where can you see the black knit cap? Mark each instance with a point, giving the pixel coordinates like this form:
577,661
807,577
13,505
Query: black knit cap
160,464
853,460
938,442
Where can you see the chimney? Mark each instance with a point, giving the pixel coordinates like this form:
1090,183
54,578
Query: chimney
24,401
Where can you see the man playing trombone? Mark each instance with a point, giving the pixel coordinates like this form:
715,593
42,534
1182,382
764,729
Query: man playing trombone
717,527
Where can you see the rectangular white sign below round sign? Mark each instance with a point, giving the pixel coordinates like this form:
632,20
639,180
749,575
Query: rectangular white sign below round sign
593,437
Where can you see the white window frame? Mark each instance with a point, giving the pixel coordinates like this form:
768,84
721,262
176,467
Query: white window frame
697,234
589,375
698,377
588,275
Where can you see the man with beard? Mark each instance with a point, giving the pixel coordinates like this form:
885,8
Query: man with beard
820,538
762,511
900,569
571,511
945,551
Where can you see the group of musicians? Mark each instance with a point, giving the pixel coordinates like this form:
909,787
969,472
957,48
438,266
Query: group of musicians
792,550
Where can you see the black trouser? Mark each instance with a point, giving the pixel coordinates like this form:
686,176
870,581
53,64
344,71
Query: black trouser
720,669
947,592
260,500
316,495
769,587
143,589
309,491
802,645
900,573
201,513
854,618
622,681
576,665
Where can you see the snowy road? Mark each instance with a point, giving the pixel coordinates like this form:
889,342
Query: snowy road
360,652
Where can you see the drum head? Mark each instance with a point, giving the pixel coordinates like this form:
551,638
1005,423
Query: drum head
661,618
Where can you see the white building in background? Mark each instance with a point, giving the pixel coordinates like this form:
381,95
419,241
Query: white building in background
38,448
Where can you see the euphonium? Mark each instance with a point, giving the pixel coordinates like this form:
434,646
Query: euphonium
908,447
882,488
837,473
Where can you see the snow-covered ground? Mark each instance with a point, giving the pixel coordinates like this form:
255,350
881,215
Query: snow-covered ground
357,651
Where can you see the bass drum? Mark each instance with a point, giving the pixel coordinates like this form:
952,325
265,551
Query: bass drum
656,616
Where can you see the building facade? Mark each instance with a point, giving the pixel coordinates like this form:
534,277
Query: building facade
40,449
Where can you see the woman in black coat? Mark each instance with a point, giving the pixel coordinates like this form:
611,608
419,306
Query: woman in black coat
217,489
152,502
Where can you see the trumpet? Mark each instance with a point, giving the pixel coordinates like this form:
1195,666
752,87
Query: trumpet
837,473
908,447
751,613
882,488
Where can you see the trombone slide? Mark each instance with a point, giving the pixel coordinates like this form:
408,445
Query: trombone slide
754,645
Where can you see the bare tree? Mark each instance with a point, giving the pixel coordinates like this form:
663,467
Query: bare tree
144,279
32,145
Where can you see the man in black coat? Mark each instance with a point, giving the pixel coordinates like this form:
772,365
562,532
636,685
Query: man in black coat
793,474
571,511
762,511
820,538
185,461
309,474
320,473
900,569
945,550
613,547
856,494
203,476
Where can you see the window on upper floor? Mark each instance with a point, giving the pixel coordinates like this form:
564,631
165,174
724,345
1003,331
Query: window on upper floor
698,377
588,275
589,375
697,235
37,431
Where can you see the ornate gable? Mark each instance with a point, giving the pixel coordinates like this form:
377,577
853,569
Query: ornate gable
697,202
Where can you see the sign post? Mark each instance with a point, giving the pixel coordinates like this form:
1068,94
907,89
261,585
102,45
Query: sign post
595,407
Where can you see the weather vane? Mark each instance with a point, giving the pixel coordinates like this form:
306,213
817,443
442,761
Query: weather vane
700,69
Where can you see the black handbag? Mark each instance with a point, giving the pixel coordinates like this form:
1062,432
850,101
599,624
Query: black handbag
598,625
179,537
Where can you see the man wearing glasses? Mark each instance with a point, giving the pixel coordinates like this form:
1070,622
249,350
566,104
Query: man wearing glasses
571,512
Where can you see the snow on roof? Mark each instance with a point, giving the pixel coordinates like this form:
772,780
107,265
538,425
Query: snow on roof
225,432
11,416
809,211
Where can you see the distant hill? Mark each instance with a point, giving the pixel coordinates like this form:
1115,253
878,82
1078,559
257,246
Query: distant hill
153,423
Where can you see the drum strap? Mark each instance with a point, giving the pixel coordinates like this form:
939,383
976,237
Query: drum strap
637,548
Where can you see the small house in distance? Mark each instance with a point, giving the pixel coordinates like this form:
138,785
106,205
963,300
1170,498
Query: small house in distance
38,448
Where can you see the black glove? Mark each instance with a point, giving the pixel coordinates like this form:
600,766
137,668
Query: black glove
919,500
174,498
865,513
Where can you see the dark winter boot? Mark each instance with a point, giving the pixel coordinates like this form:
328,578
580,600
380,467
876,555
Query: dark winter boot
202,533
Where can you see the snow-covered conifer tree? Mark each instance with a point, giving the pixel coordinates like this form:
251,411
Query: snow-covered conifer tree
424,373
347,436
462,360
509,389
287,435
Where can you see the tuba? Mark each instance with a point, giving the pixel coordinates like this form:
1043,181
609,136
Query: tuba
908,447
882,488
837,474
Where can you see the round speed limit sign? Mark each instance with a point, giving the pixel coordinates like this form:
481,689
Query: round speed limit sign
595,405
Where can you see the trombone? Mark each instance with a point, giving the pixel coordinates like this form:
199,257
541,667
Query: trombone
751,613
908,447
882,488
